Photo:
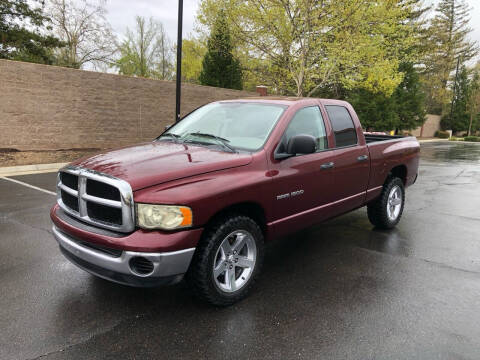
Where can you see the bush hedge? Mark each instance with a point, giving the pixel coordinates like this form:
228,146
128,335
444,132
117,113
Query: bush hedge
442,134
472,138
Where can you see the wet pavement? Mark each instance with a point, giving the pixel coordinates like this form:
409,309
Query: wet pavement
338,290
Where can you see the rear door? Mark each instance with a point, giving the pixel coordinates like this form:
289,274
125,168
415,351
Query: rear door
352,163
301,184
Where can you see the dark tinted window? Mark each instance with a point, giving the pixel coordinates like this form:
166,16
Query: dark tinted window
308,121
342,125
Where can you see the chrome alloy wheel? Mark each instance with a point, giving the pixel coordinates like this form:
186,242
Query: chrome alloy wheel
234,261
394,203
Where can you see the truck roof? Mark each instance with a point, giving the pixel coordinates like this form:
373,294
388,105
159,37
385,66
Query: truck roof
283,100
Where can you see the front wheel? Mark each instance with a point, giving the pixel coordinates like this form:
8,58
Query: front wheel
227,261
385,212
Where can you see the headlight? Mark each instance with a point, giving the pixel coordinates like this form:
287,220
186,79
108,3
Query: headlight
165,217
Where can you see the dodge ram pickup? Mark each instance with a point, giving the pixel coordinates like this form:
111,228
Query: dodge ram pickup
201,200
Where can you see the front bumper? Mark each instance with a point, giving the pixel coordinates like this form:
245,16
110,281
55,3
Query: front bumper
168,267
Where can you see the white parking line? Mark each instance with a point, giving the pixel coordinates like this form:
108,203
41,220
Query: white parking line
28,185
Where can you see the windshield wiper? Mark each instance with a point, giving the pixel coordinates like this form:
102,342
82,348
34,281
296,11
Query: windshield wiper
171,135
222,141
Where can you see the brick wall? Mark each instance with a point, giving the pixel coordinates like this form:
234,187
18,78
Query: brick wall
47,107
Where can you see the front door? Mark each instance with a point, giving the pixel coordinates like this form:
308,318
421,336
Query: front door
303,182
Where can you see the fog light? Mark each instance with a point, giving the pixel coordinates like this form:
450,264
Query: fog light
140,266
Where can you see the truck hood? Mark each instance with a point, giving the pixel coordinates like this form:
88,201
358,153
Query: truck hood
154,163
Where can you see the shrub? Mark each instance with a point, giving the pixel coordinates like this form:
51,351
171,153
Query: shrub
442,134
472,138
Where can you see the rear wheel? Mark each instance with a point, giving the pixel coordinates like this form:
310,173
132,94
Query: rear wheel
227,261
385,212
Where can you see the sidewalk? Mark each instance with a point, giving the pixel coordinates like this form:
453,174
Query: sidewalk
30,169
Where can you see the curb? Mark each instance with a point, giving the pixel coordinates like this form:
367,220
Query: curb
431,140
30,169
465,142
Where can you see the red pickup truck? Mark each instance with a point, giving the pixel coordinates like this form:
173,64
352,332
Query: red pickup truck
201,199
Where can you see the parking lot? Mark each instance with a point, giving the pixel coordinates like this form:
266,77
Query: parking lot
338,290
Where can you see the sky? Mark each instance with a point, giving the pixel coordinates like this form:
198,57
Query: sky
121,14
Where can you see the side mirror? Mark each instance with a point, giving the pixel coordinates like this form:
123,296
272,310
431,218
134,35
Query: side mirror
298,144
301,144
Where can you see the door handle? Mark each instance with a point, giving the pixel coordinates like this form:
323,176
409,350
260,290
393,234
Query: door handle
362,158
328,165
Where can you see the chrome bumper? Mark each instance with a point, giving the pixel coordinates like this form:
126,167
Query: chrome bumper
168,265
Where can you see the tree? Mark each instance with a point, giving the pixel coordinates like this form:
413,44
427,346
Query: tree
147,52
219,67
193,51
474,100
403,110
306,44
376,111
449,42
409,99
22,32
82,26
458,119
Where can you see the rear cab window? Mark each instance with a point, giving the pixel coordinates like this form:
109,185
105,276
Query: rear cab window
342,125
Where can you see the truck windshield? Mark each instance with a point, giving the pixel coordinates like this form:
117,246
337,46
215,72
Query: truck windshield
238,125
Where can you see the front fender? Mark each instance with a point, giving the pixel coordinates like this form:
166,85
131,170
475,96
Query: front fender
208,194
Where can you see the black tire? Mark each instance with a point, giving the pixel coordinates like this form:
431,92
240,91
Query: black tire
377,209
200,274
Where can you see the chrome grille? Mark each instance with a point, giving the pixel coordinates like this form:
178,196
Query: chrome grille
96,198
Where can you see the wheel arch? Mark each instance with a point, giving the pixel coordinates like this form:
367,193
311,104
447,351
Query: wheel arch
248,208
399,171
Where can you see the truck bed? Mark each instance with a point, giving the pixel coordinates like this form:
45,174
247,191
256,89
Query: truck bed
370,138
387,151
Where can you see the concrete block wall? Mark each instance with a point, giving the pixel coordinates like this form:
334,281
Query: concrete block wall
431,125
47,107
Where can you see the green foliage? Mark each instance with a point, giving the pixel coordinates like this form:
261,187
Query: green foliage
472,138
22,28
300,46
375,111
410,99
193,51
459,117
219,67
146,52
448,41
403,110
442,134
474,101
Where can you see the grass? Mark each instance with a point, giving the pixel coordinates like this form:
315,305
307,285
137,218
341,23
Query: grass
466,138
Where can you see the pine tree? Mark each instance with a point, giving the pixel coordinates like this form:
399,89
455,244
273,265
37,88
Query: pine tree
474,101
409,99
403,110
459,118
220,67
449,42
376,110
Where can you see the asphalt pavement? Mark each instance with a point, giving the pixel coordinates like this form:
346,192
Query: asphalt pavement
339,290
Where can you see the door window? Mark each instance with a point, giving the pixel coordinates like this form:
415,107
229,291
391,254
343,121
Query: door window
342,124
307,121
